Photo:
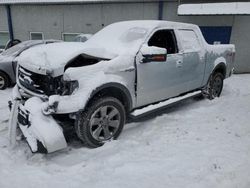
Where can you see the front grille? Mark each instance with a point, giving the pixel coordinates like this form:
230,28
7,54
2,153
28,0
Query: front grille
38,83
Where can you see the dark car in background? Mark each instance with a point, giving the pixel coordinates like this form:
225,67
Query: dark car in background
8,63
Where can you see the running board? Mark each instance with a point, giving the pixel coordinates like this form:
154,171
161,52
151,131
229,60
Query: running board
161,105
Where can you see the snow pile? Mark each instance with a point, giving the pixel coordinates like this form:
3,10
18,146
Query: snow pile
194,144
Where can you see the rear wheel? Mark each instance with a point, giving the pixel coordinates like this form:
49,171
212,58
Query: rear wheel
4,81
215,85
102,121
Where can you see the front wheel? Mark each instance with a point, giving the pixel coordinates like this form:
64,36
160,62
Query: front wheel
215,85
102,121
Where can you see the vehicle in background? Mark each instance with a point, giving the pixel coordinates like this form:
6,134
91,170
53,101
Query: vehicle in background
12,43
8,63
94,86
82,37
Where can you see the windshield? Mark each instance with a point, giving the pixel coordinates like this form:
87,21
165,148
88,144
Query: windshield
19,47
119,37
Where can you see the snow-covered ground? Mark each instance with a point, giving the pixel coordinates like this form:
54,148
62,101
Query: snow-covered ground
196,143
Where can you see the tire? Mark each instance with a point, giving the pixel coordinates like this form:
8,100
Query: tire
93,125
215,85
4,80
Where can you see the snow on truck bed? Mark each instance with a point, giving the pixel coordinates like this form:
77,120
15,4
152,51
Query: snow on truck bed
196,144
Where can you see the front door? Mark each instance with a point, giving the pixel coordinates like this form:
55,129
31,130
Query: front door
157,81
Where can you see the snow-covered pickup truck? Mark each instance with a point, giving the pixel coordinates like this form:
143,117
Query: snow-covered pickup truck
94,86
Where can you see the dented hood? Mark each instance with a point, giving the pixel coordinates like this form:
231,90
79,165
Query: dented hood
52,58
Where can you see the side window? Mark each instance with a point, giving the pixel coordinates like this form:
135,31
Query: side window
164,39
189,40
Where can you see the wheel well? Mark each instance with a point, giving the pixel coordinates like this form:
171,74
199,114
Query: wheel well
9,80
221,68
113,92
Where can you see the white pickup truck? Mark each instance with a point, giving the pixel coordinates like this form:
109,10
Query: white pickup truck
94,86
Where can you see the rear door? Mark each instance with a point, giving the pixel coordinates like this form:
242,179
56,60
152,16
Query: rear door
193,58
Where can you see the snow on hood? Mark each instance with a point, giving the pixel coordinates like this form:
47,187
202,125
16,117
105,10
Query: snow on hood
55,56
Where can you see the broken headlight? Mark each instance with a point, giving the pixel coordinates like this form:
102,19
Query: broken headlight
69,87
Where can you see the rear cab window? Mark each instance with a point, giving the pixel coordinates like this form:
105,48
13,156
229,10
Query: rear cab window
189,40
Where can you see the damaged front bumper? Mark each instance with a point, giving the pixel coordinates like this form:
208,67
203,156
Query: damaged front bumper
24,124
42,132
55,104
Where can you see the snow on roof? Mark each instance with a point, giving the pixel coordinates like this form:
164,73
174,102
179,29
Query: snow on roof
58,1
214,8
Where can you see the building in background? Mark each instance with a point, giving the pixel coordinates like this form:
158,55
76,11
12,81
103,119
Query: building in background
64,19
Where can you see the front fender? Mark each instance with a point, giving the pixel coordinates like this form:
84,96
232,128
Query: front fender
119,86
80,98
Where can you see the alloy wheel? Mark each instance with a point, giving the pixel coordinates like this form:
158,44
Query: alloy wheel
104,123
217,86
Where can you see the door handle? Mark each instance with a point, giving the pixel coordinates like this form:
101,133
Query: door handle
179,63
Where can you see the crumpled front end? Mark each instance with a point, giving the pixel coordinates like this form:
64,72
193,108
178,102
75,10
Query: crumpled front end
63,96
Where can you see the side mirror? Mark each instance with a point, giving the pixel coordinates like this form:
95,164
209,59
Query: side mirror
153,53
